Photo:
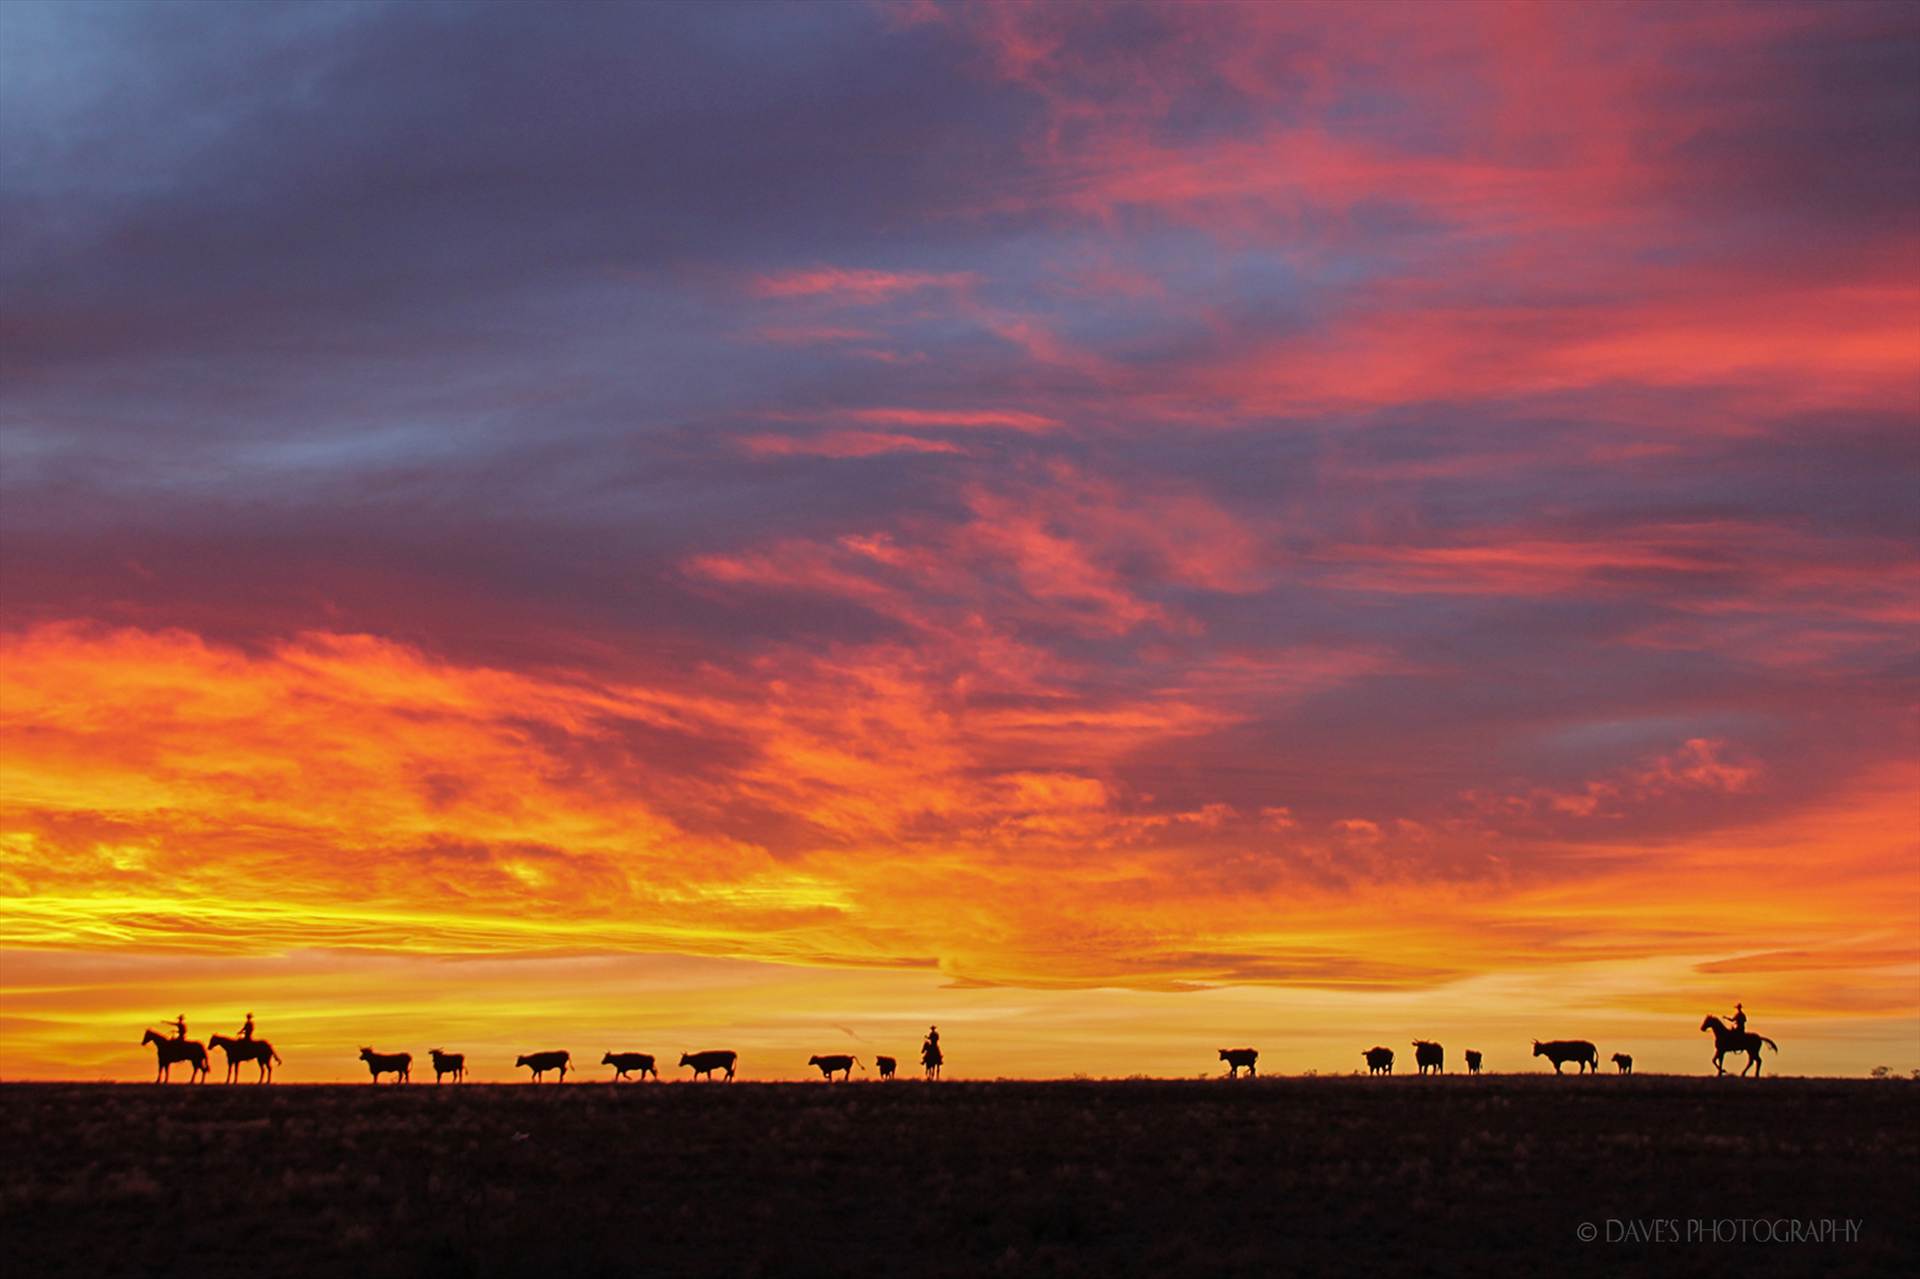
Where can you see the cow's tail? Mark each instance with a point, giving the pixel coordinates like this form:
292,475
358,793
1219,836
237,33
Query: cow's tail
858,1062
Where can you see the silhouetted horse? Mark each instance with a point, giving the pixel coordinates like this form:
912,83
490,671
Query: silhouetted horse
886,1066
168,1051
705,1063
1623,1062
1379,1060
1237,1058
1473,1061
399,1065
835,1061
1561,1051
1728,1040
1428,1055
931,1058
623,1062
541,1063
241,1051
454,1064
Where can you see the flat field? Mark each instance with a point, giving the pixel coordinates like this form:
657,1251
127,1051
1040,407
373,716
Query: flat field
1497,1176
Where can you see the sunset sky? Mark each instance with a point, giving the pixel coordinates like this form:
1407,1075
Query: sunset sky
1119,530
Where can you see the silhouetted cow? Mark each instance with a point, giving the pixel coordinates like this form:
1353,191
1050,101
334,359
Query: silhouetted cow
836,1061
1473,1061
1379,1060
1239,1057
399,1065
541,1063
885,1065
1429,1056
454,1064
1624,1061
623,1062
705,1063
1561,1051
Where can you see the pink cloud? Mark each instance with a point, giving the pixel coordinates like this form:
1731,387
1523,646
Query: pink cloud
843,444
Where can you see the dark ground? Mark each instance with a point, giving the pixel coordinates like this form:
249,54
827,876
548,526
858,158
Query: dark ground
1490,1177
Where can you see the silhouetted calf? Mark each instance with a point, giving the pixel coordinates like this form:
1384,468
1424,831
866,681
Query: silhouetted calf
541,1063
444,1064
1561,1051
1239,1057
623,1062
1473,1061
1624,1061
1379,1061
399,1065
705,1063
1429,1056
886,1066
836,1061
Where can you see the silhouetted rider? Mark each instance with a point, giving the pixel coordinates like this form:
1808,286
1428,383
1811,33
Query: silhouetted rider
1739,1019
180,1026
246,1031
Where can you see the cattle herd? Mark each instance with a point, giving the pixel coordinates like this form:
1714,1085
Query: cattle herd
1428,1056
1431,1057
559,1061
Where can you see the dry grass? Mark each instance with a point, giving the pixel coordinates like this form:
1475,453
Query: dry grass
1487,1176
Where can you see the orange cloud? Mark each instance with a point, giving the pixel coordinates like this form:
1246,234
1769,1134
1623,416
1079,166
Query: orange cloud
1009,419
855,285
344,792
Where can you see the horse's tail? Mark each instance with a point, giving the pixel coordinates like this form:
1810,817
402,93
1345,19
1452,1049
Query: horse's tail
275,1055
1768,1042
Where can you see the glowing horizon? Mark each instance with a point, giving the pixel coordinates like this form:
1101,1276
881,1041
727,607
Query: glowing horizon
1119,532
